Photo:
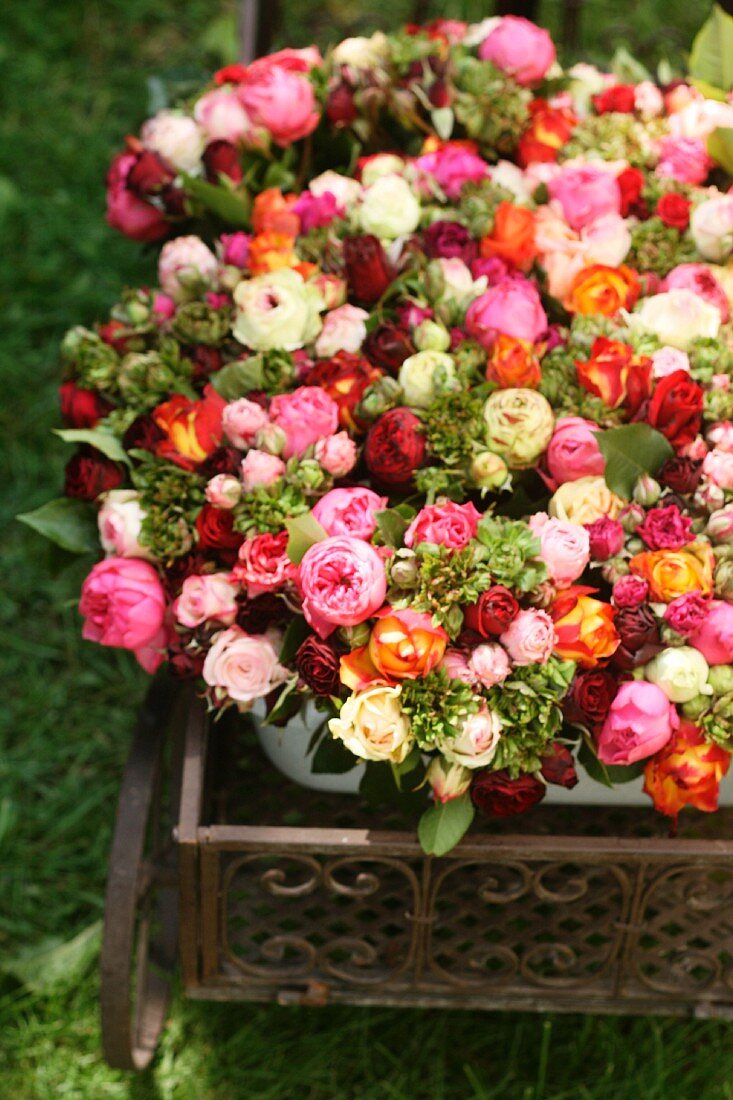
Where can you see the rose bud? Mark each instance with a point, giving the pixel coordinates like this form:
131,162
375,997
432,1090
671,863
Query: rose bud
223,491
341,109
494,612
270,438
431,336
447,780
639,633
606,538
591,694
630,517
488,470
383,394
720,525
630,591
221,158
724,581
395,447
495,794
318,666
387,346
89,473
403,568
720,679
368,270
680,474
558,766
646,491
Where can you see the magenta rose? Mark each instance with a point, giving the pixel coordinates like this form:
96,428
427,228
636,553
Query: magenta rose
451,167
519,48
687,613
281,101
585,194
573,451
714,639
123,604
700,280
607,538
128,213
306,415
235,248
263,564
630,591
512,307
342,581
530,638
350,511
564,547
665,528
639,723
452,525
207,598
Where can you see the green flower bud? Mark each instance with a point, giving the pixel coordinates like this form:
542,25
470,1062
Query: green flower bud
199,323
489,470
309,474
354,636
384,394
431,336
404,568
271,438
720,679
697,706
724,581
647,491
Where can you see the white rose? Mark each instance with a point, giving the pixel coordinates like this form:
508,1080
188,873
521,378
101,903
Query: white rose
681,673
362,52
184,266
277,310
605,241
381,164
373,725
676,317
512,178
711,226
459,285
475,745
426,374
120,521
176,138
344,329
389,209
344,190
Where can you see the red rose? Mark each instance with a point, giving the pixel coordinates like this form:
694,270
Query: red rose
81,408
215,528
395,447
224,460
675,408
637,628
388,345
620,98
236,73
495,610
318,665
205,360
142,435
680,474
674,210
149,175
89,473
590,696
496,795
221,158
176,571
192,429
345,377
558,766
368,271
341,109
630,182
126,211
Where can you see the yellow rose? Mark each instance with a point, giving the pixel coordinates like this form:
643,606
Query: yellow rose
673,573
373,725
584,501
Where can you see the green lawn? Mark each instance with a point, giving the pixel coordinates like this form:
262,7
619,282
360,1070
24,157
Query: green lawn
74,81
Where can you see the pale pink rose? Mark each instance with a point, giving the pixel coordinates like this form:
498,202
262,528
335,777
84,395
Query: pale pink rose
280,100
560,270
344,329
512,307
351,511
640,722
452,167
343,188
530,638
573,451
695,450
585,193
718,466
263,564
336,454
120,521
564,547
648,100
210,597
449,524
222,117
174,137
342,581
721,435
606,240
714,639
123,604
667,360
184,264
242,420
700,279
519,48
683,159
235,248
490,664
244,667
456,665
305,415
223,491
720,525
476,742
260,468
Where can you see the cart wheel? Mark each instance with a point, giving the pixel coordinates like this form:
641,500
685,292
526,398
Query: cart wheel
140,938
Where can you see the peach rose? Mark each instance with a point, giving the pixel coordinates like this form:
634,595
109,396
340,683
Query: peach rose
673,573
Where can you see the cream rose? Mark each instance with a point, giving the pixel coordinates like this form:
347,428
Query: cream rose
519,425
681,673
475,745
344,190
676,318
711,226
381,164
584,501
176,138
389,209
373,725
361,52
426,374
277,310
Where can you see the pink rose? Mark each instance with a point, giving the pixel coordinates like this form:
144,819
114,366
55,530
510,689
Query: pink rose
241,421
530,638
343,583
133,216
336,454
306,415
235,248
350,511
455,664
280,100
222,117
573,451
665,528
207,598
585,193
519,48
123,604
223,491
475,744
640,722
490,664
183,264
243,667
607,537
630,591
120,522
263,564
316,211
163,308
687,613
512,307
667,360
699,279
451,167
721,436
683,159
718,466
260,468
452,525
564,547
714,639
344,329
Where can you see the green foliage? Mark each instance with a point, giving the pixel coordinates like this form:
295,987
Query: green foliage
512,553
630,452
711,56
303,532
70,524
271,371
444,824
528,703
268,508
171,499
452,425
437,706
446,579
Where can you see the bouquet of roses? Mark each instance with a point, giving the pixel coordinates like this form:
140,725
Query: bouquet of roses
440,436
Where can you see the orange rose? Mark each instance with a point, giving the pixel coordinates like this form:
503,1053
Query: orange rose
192,429
403,645
584,626
269,251
512,238
673,573
272,213
549,130
614,373
513,364
686,772
602,289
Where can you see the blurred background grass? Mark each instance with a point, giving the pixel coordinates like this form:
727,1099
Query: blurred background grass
75,80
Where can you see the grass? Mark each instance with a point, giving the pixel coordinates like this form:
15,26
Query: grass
74,81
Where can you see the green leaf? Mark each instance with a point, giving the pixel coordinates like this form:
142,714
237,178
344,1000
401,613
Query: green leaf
70,524
286,705
234,208
720,147
610,775
99,438
402,771
377,785
627,68
296,633
392,527
707,90
443,119
304,531
443,824
630,451
711,56
332,757
53,962
239,378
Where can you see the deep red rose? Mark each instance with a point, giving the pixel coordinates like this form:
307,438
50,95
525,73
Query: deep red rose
221,158
126,210
224,460
149,174
395,447
674,210
620,98
368,270
143,434
675,408
439,94
89,473
495,610
215,528
665,528
680,474
631,182
341,109
256,615
589,697
496,795
388,345
81,408
205,360
449,240
187,565
174,201
318,665
345,377
637,628
558,766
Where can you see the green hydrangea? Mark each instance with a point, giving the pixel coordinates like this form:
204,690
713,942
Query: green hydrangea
617,136
453,424
147,378
478,204
267,508
528,704
87,358
711,356
171,499
443,581
492,108
199,323
658,247
437,706
717,724
512,553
